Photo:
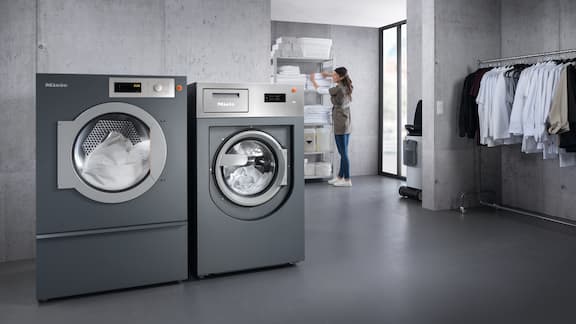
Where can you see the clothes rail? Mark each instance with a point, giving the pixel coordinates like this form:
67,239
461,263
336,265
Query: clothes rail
526,213
546,55
496,62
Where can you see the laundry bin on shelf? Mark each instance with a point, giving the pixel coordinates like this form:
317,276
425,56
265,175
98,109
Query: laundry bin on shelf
323,139
309,140
323,169
309,168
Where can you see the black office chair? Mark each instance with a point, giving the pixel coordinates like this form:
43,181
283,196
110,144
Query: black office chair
416,128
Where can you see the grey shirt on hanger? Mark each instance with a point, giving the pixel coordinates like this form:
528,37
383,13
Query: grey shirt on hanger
341,110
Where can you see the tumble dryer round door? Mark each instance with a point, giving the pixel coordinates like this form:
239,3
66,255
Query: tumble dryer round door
111,153
251,168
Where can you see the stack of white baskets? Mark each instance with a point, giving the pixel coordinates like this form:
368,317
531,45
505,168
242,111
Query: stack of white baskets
318,48
315,47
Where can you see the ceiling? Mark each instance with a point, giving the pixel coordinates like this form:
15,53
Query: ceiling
366,13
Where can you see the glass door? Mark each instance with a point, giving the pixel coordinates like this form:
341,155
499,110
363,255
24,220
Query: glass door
393,97
111,153
250,168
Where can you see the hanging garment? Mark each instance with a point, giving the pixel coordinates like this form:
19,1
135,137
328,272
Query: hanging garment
534,105
468,118
493,110
466,126
558,116
568,139
516,124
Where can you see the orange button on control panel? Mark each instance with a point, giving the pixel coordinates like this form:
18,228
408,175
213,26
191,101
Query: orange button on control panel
179,88
294,90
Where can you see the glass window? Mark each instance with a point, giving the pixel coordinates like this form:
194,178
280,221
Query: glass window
389,101
394,99
403,94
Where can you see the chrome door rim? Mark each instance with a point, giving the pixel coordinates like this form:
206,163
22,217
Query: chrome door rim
274,187
68,177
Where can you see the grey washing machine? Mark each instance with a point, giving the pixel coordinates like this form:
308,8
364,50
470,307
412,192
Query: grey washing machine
111,182
249,176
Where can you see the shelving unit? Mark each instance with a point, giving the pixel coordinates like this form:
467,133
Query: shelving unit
316,153
310,65
323,63
317,178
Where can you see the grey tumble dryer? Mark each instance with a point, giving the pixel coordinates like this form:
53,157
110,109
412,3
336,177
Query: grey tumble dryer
248,176
111,182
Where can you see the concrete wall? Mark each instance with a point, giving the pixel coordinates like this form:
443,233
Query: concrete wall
17,128
213,40
528,182
456,33
414,54
356,48
428,73
203,39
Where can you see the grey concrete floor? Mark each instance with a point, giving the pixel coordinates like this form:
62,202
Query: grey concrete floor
371,258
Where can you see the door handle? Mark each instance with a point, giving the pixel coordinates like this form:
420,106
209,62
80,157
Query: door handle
229,160
285,176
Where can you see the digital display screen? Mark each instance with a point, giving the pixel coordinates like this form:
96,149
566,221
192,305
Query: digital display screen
274,97
128,87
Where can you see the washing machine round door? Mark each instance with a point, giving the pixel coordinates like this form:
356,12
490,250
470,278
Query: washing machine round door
111,153
250,168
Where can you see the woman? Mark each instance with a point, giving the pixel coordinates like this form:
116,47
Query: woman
341,96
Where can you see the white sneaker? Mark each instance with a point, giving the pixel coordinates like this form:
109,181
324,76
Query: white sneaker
334,180
343,183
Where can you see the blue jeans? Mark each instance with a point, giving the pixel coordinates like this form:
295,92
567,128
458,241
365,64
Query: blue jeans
342,145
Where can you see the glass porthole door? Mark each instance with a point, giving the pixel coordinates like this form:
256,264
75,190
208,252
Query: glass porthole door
111,153
250,168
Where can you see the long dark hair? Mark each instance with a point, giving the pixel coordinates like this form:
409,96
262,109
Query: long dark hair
345,80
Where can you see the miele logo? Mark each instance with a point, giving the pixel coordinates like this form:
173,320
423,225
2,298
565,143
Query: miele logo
225,104
55,85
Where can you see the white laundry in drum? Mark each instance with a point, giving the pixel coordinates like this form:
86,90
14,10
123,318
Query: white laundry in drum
117,164
249,180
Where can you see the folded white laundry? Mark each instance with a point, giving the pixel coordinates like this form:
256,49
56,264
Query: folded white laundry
317,114
321,80
317,109
299,79
291,74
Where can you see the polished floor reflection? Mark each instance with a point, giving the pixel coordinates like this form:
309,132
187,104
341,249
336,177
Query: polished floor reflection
371,258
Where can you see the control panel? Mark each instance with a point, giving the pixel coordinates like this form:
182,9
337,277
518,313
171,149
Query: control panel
275,97
223,100
141,88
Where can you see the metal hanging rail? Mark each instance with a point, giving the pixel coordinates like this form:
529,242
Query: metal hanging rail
492,62
527,213
549,55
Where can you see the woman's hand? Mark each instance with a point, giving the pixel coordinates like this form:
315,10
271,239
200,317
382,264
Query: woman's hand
313,80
